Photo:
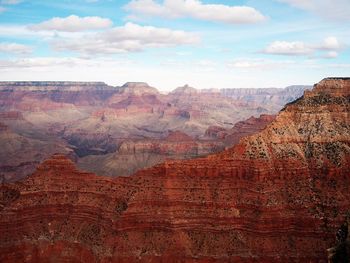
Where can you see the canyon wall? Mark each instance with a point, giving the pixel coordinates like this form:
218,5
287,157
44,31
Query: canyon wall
277,196
91,121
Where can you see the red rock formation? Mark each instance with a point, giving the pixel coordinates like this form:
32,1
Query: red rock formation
11,115
136,154
216,132
247,127
132,98
55,93
20,154
277,196
240,129
3,127
177,136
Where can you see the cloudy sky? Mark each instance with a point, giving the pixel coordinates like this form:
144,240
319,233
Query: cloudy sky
168,43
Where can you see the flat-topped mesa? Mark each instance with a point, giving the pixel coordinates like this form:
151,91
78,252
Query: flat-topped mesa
185,90
138,88
250,91
177,136
53,86
58,163
273,95
51,83
333,86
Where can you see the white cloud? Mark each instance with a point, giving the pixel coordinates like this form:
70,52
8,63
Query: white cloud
73,23
128,38
43,62
15,48
258,63
197,10
299,48
330,9
10,2
330,43
118,71
287,48
331,54
23,32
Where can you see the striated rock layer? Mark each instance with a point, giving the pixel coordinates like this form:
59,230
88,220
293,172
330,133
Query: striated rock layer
277,196
242,128
134,155
93,120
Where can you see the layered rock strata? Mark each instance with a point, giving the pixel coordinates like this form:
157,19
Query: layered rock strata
242,128
134,155
277,196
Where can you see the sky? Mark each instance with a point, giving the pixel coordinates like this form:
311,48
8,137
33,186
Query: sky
170,43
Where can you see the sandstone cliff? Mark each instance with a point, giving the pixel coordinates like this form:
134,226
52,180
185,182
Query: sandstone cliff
241,129
277,196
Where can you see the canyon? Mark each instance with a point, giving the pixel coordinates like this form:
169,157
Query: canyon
118,130
279,195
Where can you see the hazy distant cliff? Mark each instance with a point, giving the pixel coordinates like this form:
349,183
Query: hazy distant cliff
92,120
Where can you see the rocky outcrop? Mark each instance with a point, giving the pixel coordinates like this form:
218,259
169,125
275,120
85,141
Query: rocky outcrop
138,88
185,90
91,143
241,129
137,154
248,127
277,196
177,136
132,98
21,154
11,115
3,127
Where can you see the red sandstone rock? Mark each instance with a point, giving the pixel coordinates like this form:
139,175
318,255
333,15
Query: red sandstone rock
216,132
136,154
11,115
3,127
177,136
247,127
240,129
277,196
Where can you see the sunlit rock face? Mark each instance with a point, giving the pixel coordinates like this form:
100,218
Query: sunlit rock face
91,121
277,196
241,129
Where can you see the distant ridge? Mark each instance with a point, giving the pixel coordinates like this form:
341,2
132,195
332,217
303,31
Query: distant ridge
50,83
186,89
